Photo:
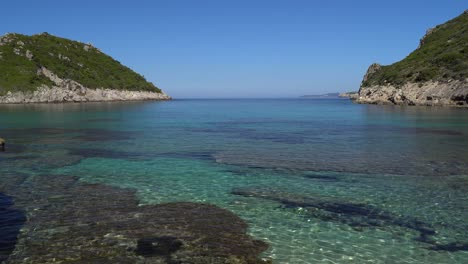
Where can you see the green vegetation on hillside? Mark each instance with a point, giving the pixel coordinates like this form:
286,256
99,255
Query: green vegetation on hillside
67,59
442,56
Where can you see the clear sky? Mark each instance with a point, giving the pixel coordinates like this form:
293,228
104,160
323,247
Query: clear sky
237,48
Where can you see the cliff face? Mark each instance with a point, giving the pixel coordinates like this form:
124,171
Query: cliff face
453,93
436,73
44,68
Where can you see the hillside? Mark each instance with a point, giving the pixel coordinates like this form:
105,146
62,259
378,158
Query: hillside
434,74
45,62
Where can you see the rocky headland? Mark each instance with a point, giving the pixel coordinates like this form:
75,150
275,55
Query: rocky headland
350,95
47,69
435,74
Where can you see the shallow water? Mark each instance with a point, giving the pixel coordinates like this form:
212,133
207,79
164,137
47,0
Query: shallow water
319,180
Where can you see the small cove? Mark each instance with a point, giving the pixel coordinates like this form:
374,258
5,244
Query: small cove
317,180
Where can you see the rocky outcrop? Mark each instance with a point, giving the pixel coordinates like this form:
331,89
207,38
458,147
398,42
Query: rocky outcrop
375,67
423,39
55,94
435,74
43,68
350,95
454,93
66,90
69,221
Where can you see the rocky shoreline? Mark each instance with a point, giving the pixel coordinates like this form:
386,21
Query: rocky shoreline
435,74
66,90
454,93
56,94
350,95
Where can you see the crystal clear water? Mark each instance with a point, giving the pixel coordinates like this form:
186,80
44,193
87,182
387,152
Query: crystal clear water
319,180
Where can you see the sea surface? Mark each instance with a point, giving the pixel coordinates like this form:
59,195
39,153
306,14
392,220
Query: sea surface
319,180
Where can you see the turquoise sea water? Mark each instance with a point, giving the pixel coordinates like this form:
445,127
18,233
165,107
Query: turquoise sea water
319,180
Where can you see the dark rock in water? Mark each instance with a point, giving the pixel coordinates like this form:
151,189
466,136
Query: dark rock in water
414,130
2,144
38,159
11,221
286,138
158,246
356,215
199,155
234,130
13,148
41,135
106,153
132,155
103,135
73,222
451,247
322,177
352,214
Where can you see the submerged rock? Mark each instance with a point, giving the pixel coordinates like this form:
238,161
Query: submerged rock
74,222
356,215
158,246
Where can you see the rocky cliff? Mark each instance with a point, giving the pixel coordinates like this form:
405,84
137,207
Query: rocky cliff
436,73
44,68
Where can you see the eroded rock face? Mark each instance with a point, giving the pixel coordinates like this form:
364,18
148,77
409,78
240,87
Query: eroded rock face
435,74
423,39
454,93
66,90
71,92
72,222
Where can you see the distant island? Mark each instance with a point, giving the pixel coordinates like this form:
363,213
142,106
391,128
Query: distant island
43,68
436,73
322,96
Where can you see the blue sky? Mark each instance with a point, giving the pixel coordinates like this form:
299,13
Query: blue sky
256,48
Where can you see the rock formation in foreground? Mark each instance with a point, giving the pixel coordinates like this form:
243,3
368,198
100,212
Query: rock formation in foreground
436,73
43,68
62,220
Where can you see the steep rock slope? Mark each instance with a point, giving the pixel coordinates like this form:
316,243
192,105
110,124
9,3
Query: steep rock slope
46,68
436,73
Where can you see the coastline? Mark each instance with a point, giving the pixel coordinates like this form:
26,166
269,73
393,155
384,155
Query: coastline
45,94
453,94
350,95
67,90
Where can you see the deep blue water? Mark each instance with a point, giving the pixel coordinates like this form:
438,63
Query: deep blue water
319,180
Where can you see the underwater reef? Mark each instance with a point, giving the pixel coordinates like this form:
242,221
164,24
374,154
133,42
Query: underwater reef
356,215
73,222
